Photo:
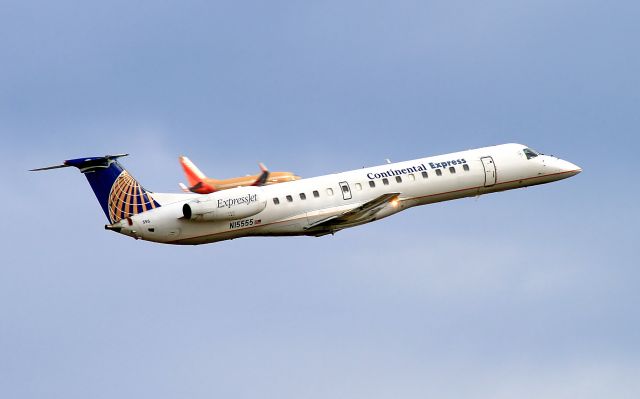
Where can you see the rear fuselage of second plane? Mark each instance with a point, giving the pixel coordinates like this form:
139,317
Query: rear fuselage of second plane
307,206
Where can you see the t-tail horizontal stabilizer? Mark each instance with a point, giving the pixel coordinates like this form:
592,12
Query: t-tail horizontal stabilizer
84,164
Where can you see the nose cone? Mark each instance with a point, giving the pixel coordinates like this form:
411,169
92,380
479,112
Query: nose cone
569,168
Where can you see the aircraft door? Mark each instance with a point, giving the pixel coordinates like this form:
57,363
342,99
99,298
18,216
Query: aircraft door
346,191
489,171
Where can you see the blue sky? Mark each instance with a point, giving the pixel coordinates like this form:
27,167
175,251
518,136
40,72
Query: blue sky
529,293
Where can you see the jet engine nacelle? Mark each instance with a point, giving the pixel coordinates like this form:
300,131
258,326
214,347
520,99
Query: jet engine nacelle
231,204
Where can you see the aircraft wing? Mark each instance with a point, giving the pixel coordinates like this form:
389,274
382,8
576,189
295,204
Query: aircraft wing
358,214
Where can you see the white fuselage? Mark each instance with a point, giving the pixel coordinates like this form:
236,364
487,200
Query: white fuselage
302,207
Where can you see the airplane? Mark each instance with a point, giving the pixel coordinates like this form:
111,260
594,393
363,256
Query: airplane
313,206
201,184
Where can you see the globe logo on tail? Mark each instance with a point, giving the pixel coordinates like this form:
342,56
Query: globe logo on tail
127,198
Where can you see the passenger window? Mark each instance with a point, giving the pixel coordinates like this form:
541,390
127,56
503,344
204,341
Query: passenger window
424,175
316,194
465,167
412,177
385,181
358,186
398,179
276,201
303,196
329,191
345,189
289,198
452,170
372,184
438,172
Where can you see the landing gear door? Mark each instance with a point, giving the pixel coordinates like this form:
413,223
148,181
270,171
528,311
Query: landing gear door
346,191
489,171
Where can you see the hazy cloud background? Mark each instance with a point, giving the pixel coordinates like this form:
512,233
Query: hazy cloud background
530,293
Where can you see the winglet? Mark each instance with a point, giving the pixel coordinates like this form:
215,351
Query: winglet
264,176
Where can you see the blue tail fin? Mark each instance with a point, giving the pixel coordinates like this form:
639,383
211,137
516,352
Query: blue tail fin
119,194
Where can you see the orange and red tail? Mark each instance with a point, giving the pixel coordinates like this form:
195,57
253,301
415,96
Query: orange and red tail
197,180
194,175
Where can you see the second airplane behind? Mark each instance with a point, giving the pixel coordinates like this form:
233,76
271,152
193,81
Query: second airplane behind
201,184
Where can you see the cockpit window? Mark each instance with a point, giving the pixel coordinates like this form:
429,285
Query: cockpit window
530,153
